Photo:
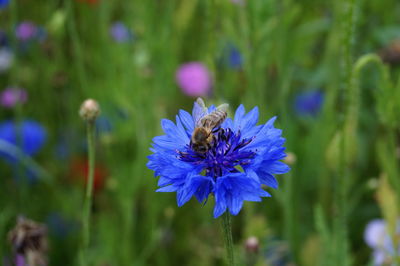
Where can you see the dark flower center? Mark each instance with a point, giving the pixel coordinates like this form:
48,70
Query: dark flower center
225,154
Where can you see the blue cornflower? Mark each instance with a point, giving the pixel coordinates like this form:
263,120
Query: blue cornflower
242,157
59,225
32,135
234,57
4,3
120,32
309,103
3,39
104,124
231,57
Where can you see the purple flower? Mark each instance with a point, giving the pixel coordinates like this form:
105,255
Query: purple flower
10,97
194,79
26,31
238,2
120,33
309,103
20,260
377,237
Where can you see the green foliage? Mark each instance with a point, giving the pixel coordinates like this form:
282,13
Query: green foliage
322,205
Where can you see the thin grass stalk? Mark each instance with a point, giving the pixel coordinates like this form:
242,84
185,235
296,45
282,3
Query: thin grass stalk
73,32
341,244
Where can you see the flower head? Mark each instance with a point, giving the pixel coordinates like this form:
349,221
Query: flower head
232,57
32,134
10,97
120,33
59,225
238,2
252,245
26,31
377,237
309,103
3,39
194,79
89,110
242,157
29,238
6,59
4,3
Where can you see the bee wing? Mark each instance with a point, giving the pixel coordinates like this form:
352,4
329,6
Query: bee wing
223,107
199,111
214,119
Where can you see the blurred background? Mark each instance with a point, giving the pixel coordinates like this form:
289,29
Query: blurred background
327,69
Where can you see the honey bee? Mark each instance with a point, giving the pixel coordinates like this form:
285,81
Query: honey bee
206,124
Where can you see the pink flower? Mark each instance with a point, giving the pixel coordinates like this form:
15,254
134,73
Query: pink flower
194,79
12,96
238,2
25,31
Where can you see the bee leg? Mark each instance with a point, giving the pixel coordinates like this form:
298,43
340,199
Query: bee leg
215,130
214,140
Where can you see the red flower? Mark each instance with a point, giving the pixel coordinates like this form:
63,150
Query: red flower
80,168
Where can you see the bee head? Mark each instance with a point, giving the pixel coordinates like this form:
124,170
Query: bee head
200,147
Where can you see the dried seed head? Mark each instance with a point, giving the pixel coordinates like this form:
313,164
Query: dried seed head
29,238
89,110
252,245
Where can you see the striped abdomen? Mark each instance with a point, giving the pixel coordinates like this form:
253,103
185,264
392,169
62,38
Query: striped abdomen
214,119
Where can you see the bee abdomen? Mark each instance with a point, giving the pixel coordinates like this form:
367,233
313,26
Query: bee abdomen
214,119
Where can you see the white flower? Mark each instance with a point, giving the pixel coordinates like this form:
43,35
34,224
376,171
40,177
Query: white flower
6,59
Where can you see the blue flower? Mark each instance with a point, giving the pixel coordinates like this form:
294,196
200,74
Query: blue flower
309,103
243,157
232,57
235,59
59,225
32,136
3,39
4,3
120,33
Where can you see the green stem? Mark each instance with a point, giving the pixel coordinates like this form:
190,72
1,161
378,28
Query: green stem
73,32
89,194
227,228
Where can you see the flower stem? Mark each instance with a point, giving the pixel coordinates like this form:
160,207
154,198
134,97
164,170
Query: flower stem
227,228
88,194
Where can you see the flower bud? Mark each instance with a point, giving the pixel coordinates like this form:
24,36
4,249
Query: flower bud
290,158
252,245
90,110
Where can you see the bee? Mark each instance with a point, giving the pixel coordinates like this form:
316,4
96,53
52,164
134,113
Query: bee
206,124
